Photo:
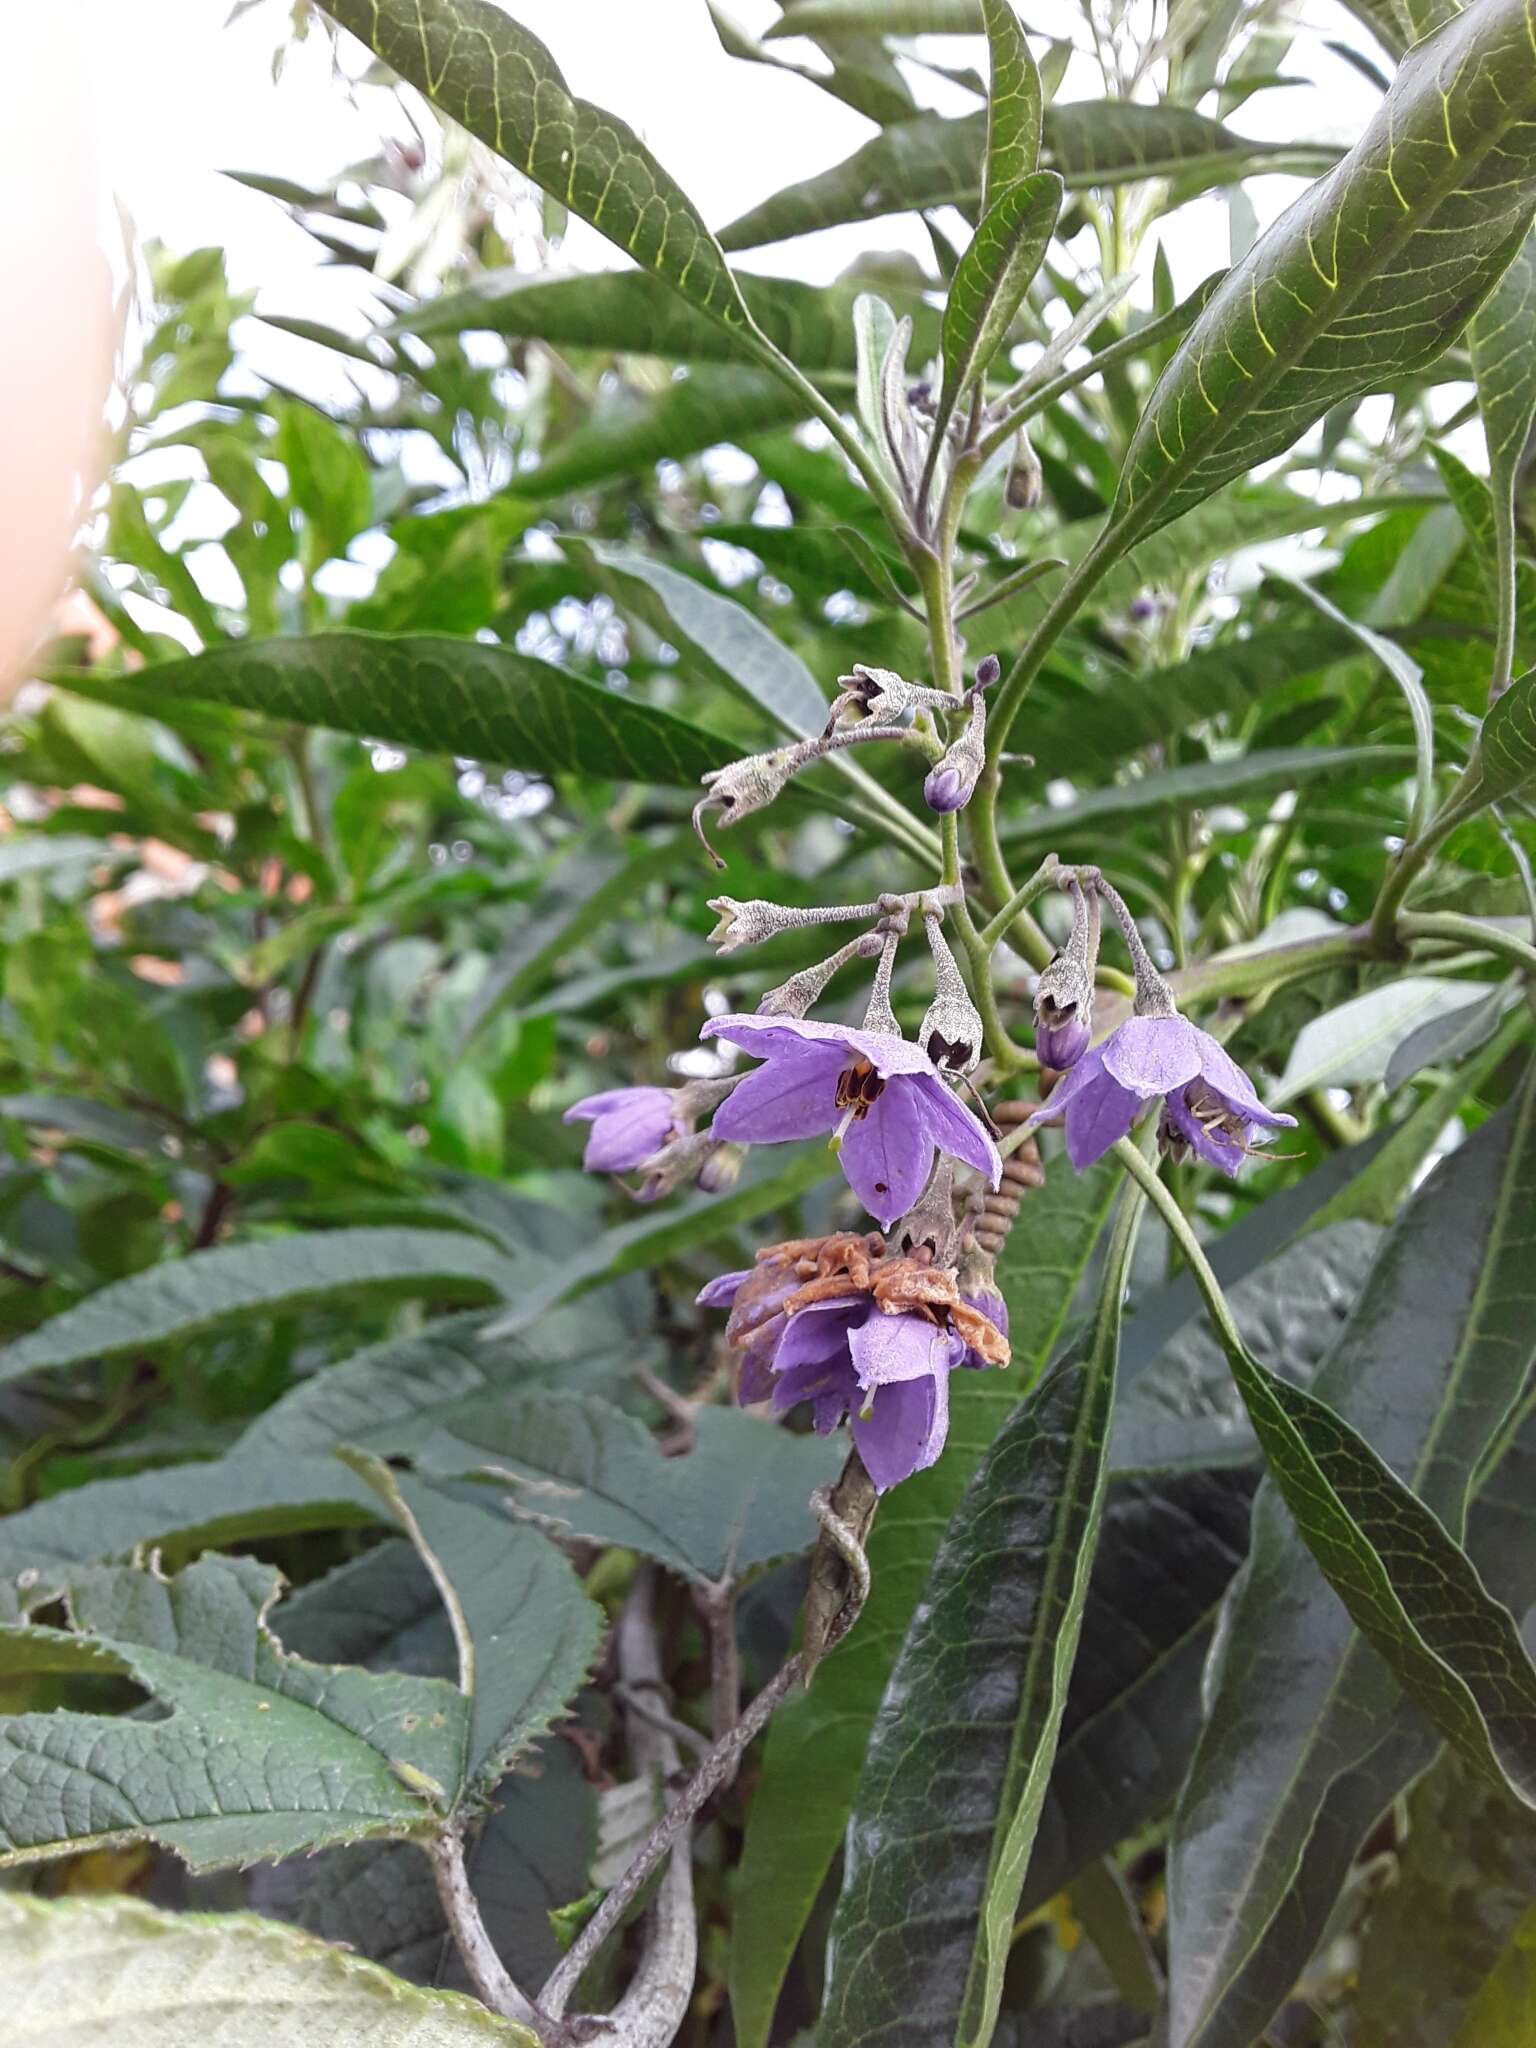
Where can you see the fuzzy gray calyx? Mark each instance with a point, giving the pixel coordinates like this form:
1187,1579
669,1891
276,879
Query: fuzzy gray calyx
884,697
951,1032
930,1223
742,787
794,997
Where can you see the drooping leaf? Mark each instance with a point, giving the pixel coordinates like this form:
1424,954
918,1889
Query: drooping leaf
446,696
1504,364
232,1284
730,642
491,74
151,1979
968,1725
1444,1039
738,1499
1014,103
1356,283
816,1741
261,1754
990,281
628,310
1290,1774
932,161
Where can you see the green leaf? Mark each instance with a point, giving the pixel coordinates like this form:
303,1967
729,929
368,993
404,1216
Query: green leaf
730,643
177,1513
445,696
40,854
967,1729
234,1284
150,1979
525,1632
1409,678
886,17
378,1898
328,478
1500,2016
1076,732
1446,1039
738,1499
1503,756
1298,1754
863,74
1198,784
1359,1040
816,1741
628,310
990,281
1353,285
710,405
1466,1875
1503,338
260,1754
931,161
497,79
1015,103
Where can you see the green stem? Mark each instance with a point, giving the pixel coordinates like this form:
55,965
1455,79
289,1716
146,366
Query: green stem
1149,1181
1048,872
868,468
1468,931
1015,685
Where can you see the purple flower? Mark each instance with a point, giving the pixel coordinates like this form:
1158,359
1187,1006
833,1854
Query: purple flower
1210,1107
888,1373
1061,1041
877,1092
947,789
628,1125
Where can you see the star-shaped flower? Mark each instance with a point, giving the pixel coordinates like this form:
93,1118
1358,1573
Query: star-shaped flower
1210,1107
877,1092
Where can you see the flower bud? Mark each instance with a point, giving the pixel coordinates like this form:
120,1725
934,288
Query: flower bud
951,1032
1062,1035
1064,992
988,669
949,785
1025,479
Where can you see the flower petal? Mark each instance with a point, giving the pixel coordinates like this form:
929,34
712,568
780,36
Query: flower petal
793,1095
1151,1055
886,1348
630,1132
1097,1117
1226,1077
958,1130
817,1333
592,1106
888,1154
1216,1148
1088,1073
904,1429
721,1291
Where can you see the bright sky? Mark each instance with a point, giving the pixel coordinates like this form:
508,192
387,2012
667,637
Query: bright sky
185,94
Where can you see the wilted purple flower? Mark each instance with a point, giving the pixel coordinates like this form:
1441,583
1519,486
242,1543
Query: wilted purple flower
987,1298
878,1093
628,1125
1210,1106
889,1373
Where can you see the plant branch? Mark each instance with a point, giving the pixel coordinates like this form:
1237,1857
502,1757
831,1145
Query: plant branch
1468,931
445,1852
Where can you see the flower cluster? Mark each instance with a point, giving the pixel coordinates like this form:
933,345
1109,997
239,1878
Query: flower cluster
862,1331
869,1327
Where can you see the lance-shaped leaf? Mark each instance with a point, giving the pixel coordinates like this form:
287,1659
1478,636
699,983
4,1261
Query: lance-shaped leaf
993,275
1503,757
475,62
626,309
1503,338
961,1750
1411,1589
1367,277
1015,103
816,1741
261,1754
1294,1764
117,1969
931,161
233,1284
443,695
738,1499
